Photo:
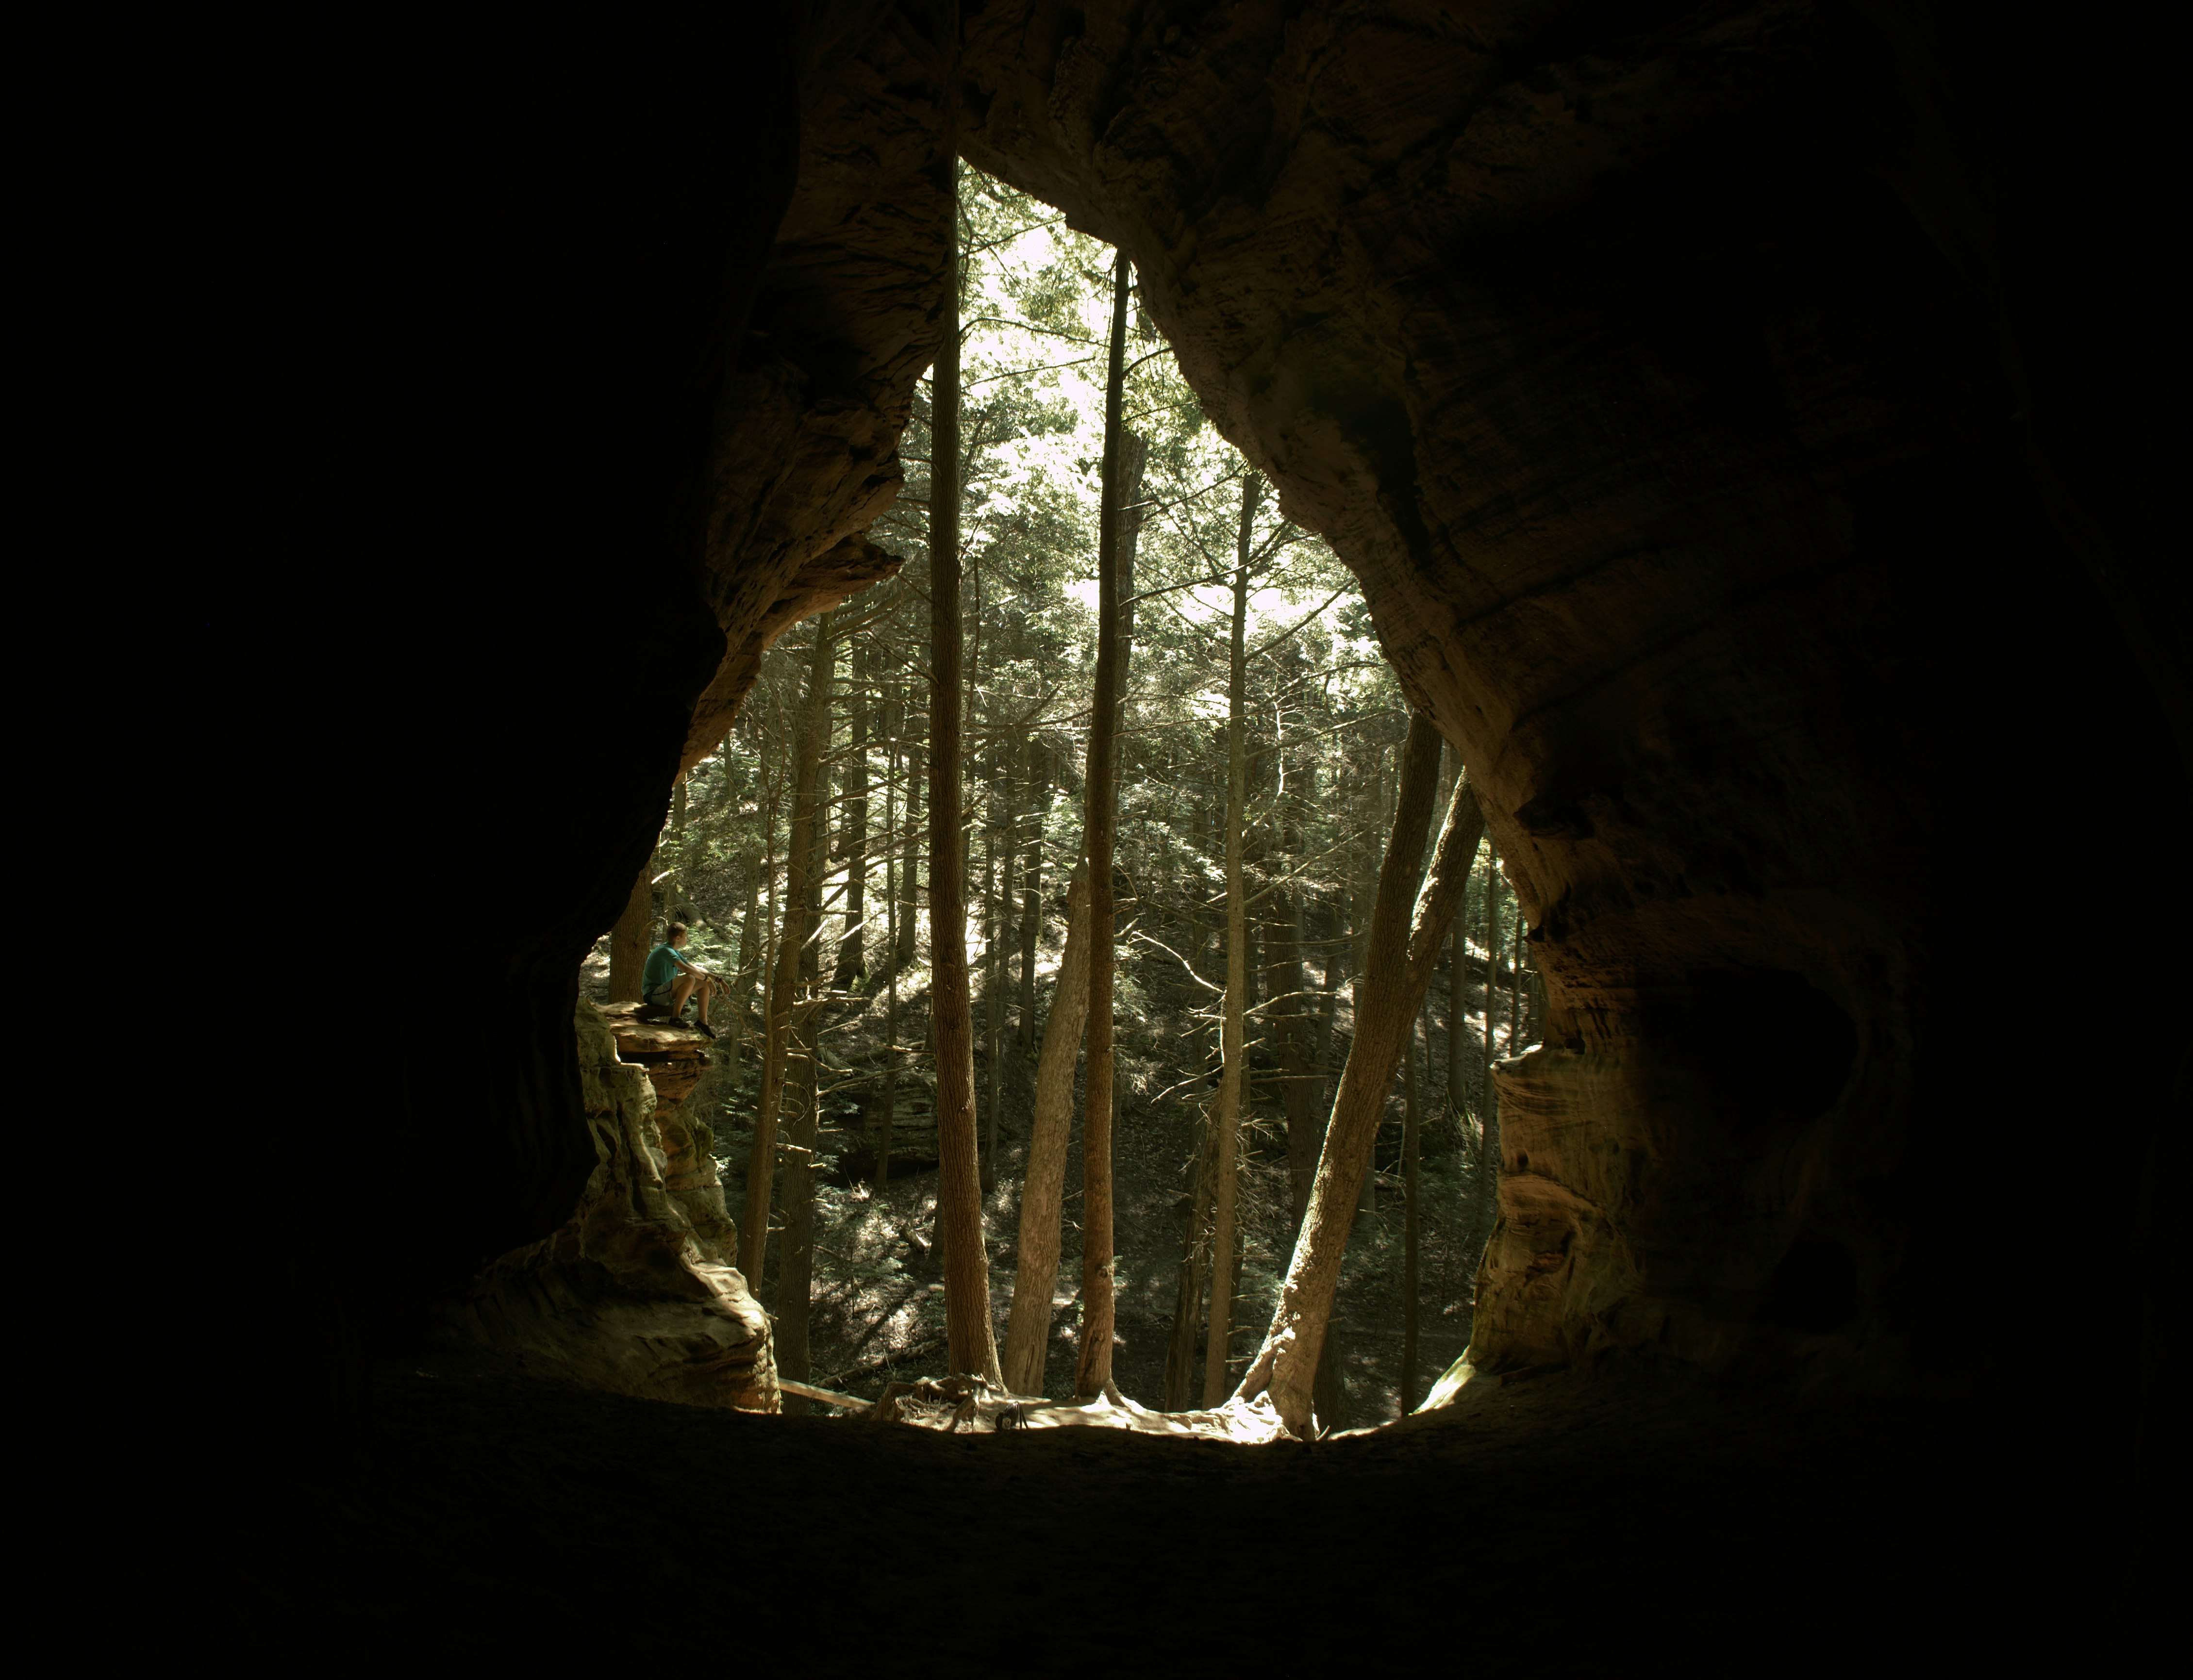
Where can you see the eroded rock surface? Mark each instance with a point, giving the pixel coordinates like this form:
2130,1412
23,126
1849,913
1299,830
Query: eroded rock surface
843,324
1657,431
1616,349
634,1295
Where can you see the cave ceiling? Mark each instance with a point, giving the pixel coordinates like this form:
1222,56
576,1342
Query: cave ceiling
1664,438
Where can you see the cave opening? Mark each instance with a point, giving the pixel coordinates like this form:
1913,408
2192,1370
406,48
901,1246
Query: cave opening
1739,425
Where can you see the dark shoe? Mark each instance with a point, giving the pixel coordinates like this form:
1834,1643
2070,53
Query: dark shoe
703,1026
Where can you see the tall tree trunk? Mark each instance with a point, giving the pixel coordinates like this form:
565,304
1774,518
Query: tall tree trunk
1457,1022
971,1341
1181,1381
1491,974
1410,1284
909,892
1039,778
1328,1015
1134,453
1366,1202
673,884
1404,949
800,871
1488,1101
890,1116
852,963
1233,1032
628,938
749,964
1043,1181
1515,988
1298,1082
994,1005
1098,1309
795,1267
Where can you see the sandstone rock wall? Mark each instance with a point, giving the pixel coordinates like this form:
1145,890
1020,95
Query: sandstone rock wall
843,324
1681,467
1670,452
635,1294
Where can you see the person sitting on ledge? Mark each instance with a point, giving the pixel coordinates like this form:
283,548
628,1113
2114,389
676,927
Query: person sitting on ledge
669,979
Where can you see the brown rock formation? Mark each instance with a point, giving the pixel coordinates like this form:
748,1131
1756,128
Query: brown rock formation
681,1065
1743,418
634,1294
1654,426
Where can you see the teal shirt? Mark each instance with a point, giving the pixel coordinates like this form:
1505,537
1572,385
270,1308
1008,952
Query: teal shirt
662,966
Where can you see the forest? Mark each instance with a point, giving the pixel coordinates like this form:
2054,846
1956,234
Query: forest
1106,640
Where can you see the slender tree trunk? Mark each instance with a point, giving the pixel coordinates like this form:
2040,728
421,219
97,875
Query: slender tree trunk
1298,1083
674,886
1180,1377
800,870
1039,777
1328,1017
1366,1204
1043,1184
1411,1283
1492,974
852,963
795,1282
1488,1105
909,897
742,976
890,1001
1098,1309
1457,1022
1134,453
993,1004
1232,1045
628,938
970,1341
1404,949
1516,989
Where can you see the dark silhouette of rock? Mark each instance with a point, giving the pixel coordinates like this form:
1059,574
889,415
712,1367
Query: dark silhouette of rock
1744,422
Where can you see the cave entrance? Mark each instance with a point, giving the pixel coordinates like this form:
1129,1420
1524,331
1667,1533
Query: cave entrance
826,780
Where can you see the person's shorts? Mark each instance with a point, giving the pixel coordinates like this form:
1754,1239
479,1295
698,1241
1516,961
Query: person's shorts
660,999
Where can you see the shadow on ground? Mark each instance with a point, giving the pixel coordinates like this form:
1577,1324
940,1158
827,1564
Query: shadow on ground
1553,1528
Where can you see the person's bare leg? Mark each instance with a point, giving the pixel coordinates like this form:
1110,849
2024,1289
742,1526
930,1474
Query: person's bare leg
682,990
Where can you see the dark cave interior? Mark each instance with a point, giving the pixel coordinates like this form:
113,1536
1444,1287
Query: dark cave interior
1743,420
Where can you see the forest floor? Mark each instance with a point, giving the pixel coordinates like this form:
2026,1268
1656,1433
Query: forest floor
877,1311
1553,1525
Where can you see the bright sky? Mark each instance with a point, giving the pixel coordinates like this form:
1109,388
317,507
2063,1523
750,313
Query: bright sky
1073,374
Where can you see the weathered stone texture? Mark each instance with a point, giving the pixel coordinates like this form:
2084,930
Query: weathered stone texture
1656,430
634,1295
843,324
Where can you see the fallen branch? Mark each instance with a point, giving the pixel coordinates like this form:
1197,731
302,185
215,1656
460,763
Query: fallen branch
807,1391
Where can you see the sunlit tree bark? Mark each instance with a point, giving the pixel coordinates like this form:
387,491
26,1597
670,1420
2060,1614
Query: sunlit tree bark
1043,1187
800,870
1402,951
1233,1035
971,1340
1098,1311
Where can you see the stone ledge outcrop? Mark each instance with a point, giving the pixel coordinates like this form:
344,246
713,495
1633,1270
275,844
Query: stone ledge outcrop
632,1295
